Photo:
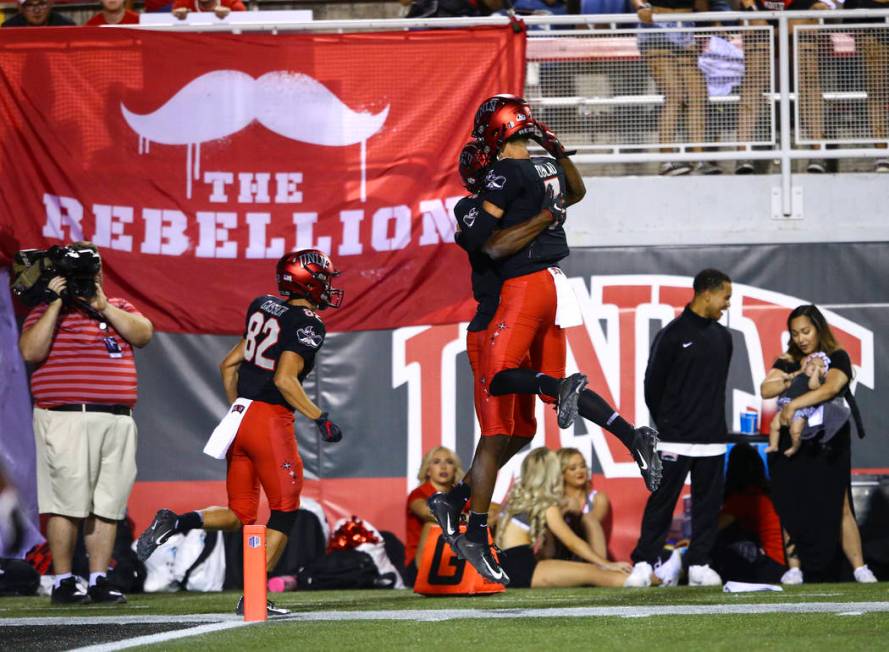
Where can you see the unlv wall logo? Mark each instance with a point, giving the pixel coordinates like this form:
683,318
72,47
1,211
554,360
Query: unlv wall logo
221,103
621,315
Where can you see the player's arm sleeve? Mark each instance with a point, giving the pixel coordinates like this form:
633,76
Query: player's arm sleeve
502,186
663,351
304,337
474,225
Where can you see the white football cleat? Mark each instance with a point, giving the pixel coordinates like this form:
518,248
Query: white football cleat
703,576
640,577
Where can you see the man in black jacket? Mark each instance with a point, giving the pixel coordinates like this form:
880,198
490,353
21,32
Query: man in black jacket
685,394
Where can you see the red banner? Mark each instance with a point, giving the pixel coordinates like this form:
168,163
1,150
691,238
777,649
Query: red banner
194,161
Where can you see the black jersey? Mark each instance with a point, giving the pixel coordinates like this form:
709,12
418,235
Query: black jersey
518,187
272,327
474,227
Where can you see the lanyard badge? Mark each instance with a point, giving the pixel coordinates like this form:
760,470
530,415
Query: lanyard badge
114,350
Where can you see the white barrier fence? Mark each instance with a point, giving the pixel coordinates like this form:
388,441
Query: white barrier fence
724,86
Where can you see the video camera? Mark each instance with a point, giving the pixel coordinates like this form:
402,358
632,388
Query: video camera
34,268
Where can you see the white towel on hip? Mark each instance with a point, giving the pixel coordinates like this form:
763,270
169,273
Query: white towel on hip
567,309
224,434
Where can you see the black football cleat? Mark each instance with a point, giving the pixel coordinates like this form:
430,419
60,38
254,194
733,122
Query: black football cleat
271,609
479,555
569,393
646,456
446,515
103,592
161,529
69,592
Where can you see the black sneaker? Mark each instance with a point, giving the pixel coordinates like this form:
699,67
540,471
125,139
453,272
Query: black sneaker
479,555
446,515
569,392
645,454
271,609
817,166
104,592
160,530
745,167
68,592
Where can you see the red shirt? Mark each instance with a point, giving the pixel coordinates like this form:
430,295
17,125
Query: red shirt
129,18
755,512
415,523
192,5
79,367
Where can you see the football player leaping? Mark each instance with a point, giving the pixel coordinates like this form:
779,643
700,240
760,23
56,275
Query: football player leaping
524,326
263,376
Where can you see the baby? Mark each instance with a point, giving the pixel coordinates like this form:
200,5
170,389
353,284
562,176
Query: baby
810,376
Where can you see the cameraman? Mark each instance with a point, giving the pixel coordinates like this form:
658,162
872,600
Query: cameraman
84,389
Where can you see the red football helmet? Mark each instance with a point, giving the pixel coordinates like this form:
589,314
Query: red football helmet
308,274
473,162
499,118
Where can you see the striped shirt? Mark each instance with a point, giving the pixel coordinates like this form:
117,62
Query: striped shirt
79,368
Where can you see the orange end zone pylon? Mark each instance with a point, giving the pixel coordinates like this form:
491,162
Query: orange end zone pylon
255,582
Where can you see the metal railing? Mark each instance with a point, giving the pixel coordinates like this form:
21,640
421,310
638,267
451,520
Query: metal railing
709,86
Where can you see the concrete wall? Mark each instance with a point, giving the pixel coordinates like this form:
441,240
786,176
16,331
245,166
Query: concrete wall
693,210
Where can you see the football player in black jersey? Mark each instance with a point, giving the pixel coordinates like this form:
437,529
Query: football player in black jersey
262,376
524,324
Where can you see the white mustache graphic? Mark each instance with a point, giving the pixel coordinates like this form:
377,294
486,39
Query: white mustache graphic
221,103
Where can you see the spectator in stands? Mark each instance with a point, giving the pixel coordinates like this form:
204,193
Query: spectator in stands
533,512
585,508
37,13
84,388
221,8
440,470
672,58
811,489
756,77
750,547
874,48
114,12
450,8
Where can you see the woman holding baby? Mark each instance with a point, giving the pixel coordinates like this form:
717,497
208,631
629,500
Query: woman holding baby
810,485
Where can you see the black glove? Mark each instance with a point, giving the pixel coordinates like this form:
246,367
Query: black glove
550,142
330,432
555,204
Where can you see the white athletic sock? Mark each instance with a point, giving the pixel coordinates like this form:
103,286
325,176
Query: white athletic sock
94,577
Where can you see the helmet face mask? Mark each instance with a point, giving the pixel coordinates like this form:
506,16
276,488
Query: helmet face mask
308,274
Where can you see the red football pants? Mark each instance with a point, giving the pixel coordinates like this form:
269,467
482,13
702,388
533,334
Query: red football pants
264,452
512,414
524,326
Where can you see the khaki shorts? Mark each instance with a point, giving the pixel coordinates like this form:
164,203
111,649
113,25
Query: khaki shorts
86,463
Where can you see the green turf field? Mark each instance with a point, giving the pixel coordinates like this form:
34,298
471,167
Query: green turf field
489,622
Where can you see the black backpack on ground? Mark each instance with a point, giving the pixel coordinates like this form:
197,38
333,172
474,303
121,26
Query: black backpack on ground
341,569
18,577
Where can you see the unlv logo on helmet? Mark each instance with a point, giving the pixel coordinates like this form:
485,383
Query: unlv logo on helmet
473,161
499,118
308,274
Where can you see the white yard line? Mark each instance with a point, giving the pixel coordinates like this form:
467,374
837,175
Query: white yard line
163,637
230,620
